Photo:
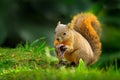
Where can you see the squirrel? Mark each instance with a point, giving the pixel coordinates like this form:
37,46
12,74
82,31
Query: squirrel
79,39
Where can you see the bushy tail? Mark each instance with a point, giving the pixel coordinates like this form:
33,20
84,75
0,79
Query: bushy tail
89,27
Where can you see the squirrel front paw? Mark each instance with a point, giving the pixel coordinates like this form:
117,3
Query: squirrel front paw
60,49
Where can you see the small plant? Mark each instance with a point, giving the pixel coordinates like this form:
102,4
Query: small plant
38,45
81,65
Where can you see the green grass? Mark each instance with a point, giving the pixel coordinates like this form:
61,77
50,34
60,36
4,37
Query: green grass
34,62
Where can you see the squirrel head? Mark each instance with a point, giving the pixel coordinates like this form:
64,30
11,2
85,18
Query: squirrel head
62,32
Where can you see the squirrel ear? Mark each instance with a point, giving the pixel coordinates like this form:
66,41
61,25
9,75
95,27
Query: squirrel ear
58,23
69,25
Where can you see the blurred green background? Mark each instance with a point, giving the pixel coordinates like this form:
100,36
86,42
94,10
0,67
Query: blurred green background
28,20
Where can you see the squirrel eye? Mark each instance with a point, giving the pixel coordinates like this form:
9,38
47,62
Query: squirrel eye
64,33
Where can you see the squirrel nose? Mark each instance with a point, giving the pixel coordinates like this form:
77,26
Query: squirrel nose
58,39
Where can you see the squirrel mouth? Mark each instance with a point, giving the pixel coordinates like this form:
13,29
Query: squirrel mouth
62,49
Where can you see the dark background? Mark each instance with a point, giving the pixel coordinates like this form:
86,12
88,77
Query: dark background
28,20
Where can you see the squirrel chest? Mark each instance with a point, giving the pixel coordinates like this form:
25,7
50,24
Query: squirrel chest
81,49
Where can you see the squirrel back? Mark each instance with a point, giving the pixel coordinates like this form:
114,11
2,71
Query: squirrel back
89,27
